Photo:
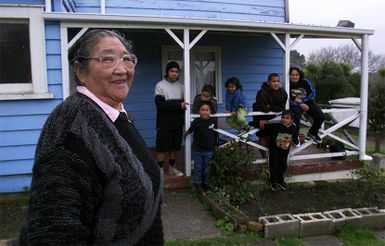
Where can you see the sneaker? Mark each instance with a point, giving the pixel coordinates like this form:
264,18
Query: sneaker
282,185
274,186
296,142
315,137
176,172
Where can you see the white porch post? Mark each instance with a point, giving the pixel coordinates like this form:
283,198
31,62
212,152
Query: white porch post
364,98
186,62
287,66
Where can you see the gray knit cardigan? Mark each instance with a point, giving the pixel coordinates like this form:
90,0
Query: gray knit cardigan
88,187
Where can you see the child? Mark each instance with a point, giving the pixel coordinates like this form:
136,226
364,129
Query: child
206,95
271,97
281,137
302,96
203,145
236,105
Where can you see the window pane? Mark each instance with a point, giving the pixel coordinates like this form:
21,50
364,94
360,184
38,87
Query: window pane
15,59
204,70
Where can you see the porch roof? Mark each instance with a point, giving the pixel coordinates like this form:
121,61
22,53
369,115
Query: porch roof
150,22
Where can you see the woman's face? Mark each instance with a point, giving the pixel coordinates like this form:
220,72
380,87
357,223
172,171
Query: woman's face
231,88
111,85
294,76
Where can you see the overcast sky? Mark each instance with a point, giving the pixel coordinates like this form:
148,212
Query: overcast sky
369,14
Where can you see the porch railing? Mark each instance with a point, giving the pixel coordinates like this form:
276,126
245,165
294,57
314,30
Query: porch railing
353,149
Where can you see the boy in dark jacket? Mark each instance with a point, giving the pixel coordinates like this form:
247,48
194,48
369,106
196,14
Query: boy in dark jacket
271,97
281,137
203,145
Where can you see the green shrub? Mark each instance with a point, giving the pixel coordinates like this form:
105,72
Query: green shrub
231,173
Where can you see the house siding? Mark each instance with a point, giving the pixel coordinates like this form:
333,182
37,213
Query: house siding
264,10
22,120
250,58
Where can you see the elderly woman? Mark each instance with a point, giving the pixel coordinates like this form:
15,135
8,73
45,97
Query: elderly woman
94,181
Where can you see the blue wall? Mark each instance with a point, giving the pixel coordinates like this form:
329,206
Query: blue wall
21,121
250,58
262,10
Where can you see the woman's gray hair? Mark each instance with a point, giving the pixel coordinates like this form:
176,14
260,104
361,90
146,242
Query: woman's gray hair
83,47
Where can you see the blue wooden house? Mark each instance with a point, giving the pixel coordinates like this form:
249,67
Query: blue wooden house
211,39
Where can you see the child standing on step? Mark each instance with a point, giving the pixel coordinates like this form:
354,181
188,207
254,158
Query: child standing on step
281,137
203,145
236,105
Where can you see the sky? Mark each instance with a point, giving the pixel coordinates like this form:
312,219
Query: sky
369,14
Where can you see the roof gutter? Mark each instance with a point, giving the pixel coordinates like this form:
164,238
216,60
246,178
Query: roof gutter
77,19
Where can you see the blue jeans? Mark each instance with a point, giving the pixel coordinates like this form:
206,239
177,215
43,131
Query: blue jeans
202,167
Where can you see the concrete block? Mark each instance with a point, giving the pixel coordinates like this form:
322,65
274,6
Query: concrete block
276,226
378,160
372,218
313,224
341,217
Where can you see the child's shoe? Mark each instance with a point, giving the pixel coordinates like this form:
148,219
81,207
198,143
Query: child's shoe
283,185
176,172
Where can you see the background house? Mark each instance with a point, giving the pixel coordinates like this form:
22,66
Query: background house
212,40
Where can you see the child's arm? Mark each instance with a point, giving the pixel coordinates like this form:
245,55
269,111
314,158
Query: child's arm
186,133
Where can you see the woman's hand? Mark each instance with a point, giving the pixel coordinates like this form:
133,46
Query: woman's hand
298,100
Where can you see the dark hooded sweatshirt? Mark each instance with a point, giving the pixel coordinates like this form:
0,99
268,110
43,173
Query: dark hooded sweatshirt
268,100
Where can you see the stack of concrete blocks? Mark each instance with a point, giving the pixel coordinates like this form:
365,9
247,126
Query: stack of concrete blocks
378,161
313,224
372,218
276,226
341,217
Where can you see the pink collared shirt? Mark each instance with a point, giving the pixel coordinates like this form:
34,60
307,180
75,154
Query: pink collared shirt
111,112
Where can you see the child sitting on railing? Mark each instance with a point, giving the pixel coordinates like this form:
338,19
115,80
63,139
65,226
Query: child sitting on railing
236,105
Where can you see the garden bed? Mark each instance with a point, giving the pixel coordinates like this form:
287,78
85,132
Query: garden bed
322,196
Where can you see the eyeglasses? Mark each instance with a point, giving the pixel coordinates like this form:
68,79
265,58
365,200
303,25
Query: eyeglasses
112,61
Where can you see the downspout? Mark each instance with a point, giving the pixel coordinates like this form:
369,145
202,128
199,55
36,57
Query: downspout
364,98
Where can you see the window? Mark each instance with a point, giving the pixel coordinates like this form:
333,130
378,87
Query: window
22,56
204,67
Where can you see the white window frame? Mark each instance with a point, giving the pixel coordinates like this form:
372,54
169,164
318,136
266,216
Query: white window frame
38,89
218,62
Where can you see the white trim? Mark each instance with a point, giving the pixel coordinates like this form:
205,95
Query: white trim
343,174
82,19
21,96
64,61
37,52
77,36
197,38
359,46
103,7
48,7
176,39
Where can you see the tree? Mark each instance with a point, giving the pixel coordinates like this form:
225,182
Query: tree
376,106
331,79
296,59
348,54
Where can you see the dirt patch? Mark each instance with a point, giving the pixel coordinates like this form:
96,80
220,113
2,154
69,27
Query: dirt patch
12,214
315,198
